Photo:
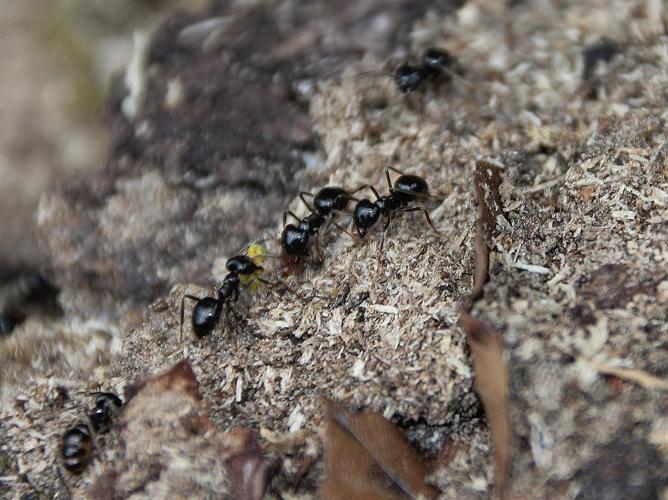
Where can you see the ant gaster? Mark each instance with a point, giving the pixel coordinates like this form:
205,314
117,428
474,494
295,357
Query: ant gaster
434,62
77,448
207,310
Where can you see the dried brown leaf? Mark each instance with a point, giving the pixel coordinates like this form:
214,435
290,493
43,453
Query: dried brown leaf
366,456
246,467
169,448
492,387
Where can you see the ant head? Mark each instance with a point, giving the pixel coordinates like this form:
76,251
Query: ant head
434,61
408,78
366,214
242,264
295,240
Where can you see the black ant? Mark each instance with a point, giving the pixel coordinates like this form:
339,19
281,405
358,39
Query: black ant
27,292
107,404
406,189
326,202
77,448
244,269
434,62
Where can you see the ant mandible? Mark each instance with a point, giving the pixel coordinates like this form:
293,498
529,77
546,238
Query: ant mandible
407,188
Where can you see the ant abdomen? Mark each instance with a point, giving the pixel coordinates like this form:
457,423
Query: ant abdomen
77,448
330,198
408,187
206,314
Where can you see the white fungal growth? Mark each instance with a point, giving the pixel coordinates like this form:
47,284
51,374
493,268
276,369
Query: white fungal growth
135,75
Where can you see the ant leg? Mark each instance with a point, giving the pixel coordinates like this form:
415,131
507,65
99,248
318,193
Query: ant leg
301,197
363,187
183,301
387,177
426,215
291,213
396,170
318,249
342,228
235,347
382,242
214,286
341,212
360,233
279,284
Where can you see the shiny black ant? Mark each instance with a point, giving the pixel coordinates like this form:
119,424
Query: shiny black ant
244,269
433,64
406,188
326,202
78,441
107,404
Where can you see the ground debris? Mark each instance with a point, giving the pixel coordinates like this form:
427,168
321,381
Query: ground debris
577,261
164,427
366,456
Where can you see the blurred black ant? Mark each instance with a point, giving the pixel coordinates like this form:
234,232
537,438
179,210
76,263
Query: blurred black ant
407,188
77,448
9,320
26,292
326,203
433,64
107,404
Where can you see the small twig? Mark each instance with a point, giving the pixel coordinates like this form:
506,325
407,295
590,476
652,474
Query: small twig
639,377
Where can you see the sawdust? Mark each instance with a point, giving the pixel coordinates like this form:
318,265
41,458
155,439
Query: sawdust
585,183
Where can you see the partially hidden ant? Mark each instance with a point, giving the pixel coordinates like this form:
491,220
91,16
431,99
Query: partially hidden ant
77,448
406,189
433,64
78,441
107,404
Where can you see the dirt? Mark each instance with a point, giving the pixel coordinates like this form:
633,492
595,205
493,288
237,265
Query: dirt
578,287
